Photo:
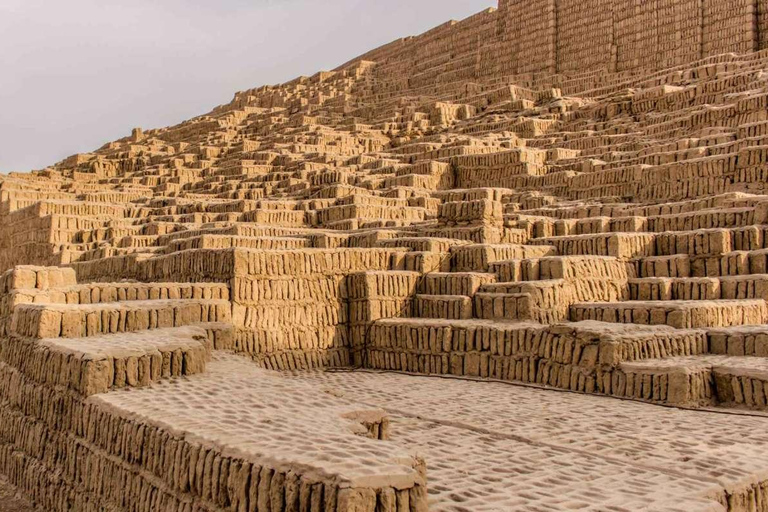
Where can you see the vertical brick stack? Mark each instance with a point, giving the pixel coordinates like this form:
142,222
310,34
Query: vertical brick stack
373,296
533,31
762,24
636,25
585,39
680,32
729,26
291,309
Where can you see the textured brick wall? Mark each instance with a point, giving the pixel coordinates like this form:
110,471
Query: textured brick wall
622,35
573,36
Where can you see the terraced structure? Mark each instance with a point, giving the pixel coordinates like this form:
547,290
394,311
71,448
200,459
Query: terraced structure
518,262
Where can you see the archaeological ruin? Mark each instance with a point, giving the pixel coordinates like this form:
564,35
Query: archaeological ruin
516,263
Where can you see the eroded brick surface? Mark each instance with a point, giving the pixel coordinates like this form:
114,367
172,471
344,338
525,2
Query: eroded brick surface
558,193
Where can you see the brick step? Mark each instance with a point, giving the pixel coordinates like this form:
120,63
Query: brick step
706,243
548,300
685,381
502,306
698,380
454,283
84,320
750,286
559,267
678,314
97,293
582,356
479,257
719,218
421,244
745,340
730,263
610,344
617,245
453,307
96,364
219,335
227,241
678,265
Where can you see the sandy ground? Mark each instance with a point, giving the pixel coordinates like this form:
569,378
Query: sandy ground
11,500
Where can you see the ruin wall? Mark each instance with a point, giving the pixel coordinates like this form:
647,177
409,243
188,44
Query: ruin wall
572,37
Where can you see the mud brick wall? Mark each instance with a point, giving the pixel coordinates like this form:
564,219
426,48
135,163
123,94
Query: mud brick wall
539,301
522,176
373,296
688,387
98,293
28,240
291,309
636,29
225,242
454,284
747,341
675,289
70,454
618,245
532,30
681,315
576,357
479,234
66,321
727,287
762,24
194,266
543,289
584,35
471,212
729,26
698,242
549,37
679,36
479,257
22,283
423,261
424,244
36,278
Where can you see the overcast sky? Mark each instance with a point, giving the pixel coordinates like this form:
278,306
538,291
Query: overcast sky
75,74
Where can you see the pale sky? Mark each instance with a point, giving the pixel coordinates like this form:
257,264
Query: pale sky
75,74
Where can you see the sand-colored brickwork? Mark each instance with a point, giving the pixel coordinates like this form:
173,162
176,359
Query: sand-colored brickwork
535,241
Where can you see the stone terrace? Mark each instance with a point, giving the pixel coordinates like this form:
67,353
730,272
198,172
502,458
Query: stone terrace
557,195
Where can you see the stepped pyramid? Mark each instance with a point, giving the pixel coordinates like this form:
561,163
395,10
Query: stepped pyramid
315,297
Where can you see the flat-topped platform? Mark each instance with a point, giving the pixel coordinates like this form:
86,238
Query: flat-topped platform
682,314
85,320
492,446
262,417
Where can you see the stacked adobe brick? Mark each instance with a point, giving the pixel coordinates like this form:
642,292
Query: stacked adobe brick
559,193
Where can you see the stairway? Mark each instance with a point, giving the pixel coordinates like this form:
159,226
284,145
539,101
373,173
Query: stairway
103,336
449,295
